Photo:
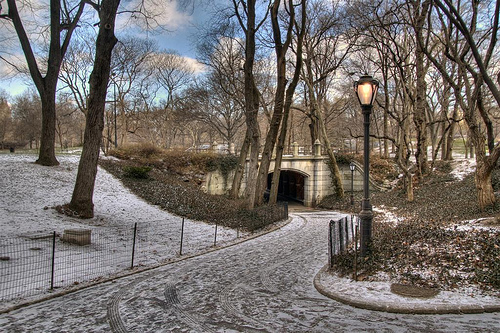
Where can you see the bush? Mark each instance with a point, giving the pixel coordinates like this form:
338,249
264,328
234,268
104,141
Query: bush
344,159
137,151
136,172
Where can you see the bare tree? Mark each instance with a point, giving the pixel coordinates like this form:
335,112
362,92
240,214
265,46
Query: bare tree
64,18
27,113
5,118
326,45
70,122
212,103
82,198
246,15
172,73
300,30
466,39
131,70
76,69
282,41
220,95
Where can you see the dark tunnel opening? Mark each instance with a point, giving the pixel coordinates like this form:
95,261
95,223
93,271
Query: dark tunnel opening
291,186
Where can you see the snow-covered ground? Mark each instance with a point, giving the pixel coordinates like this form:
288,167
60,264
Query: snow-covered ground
29,193
463,167
261,285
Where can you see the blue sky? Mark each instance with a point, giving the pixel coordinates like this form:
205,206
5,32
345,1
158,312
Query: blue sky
181,25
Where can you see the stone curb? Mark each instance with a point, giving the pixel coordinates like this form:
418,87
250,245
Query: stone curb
399,307
137,270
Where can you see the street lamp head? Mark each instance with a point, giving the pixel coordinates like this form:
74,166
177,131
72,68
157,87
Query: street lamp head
366,90
352,166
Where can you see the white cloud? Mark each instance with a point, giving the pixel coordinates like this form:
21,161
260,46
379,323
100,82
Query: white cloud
194,64
153,14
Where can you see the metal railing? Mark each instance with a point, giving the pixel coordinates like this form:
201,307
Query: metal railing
342,234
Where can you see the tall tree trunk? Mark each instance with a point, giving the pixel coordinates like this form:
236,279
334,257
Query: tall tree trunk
316,113
451,133
273,195
420,10
334,168
253,163
47,154
485,193
240,169
251,102
281,49
82,199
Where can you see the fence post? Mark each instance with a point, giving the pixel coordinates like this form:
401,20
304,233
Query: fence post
53,260
330,244
355,252
341,237
182,236
133,245
286,210
346,229
215,237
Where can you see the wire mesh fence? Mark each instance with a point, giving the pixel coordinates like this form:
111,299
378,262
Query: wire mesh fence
36,263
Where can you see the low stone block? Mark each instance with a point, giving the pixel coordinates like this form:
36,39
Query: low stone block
77,236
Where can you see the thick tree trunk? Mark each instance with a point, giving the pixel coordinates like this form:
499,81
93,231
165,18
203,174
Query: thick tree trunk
251,104
273,193
420,11
82,199
47,155
485,193
253,163
313,129
240,169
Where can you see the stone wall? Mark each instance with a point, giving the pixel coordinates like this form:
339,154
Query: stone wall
317,180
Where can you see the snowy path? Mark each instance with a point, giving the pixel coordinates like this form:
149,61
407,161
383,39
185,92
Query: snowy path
263,285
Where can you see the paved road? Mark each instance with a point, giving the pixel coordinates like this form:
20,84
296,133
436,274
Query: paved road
263,285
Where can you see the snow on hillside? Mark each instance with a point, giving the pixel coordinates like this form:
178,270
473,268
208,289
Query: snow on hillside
29,193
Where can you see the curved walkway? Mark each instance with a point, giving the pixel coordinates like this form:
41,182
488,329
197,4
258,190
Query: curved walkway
262,285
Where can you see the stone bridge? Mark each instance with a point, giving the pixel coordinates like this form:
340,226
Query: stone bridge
303,178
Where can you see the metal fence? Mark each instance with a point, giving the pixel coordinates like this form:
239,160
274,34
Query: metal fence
342,233
36,263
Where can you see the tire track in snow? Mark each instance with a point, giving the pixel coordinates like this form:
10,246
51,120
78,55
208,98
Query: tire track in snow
266,275
172,301
113,311
265,278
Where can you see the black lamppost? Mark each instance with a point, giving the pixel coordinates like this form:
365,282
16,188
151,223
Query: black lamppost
352,167
366,90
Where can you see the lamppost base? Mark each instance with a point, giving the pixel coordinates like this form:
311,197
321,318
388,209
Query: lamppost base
366,219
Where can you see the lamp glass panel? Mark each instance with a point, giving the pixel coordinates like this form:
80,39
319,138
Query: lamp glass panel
365,93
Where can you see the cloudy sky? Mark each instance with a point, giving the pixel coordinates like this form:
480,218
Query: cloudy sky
181,25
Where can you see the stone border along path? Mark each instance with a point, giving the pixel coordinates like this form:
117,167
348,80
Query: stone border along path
262,285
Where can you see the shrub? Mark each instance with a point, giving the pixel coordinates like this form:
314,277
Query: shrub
136,172
344,159
137,151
